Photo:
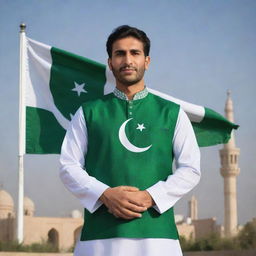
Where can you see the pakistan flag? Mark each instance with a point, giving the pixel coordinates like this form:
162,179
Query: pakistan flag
58,82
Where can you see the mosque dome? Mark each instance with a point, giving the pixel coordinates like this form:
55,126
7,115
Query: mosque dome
178,218
6,204
76,214
29,206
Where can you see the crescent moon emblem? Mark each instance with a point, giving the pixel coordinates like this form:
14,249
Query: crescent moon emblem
126,143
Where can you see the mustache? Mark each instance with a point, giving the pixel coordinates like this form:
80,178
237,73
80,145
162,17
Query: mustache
127,67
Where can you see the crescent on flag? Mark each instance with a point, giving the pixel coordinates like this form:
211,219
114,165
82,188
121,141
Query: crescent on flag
126,143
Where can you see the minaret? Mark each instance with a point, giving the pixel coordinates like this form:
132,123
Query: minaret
229,170
193,210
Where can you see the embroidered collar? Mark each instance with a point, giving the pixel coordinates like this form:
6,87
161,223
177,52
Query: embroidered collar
138,96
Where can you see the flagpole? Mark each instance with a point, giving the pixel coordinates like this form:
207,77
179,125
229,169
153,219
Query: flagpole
20,211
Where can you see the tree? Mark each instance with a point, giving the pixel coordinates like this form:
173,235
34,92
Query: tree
247,236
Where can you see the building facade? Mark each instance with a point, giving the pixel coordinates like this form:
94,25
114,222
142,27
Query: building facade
60,232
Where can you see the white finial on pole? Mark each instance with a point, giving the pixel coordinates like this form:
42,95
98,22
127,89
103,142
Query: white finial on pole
22,118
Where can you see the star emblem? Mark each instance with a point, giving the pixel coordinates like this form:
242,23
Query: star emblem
79,88
141,127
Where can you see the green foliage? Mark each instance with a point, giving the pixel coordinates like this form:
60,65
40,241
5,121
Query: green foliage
247,236
246,239
211,242
35,247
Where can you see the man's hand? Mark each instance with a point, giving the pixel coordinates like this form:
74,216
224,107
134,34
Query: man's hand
145,198
125,202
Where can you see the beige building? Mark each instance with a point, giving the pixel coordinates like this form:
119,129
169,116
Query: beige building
192,227
61,232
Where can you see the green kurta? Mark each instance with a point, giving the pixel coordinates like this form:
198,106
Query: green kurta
130,143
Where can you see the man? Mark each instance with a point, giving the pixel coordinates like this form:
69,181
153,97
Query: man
117,159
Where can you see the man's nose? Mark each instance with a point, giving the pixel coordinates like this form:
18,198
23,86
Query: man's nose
128,59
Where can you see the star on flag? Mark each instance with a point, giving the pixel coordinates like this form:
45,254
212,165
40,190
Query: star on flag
141,127
79,88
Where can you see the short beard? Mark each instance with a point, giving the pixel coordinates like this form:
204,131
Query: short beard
127,82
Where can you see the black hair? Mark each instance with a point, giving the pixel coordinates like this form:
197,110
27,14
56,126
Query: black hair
126,31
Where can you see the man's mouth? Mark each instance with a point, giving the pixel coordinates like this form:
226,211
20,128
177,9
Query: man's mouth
127,69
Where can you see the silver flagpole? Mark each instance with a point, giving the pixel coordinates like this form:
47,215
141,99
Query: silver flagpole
20,211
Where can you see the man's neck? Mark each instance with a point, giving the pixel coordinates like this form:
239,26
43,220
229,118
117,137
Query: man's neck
130,91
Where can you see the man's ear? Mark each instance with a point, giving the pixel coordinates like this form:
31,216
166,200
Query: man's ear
109,64
147,62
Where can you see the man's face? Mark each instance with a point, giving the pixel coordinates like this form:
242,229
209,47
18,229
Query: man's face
128,62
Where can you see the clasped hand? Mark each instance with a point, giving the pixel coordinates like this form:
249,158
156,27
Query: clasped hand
126,202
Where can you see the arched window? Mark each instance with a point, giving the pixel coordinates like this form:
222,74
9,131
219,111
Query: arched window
53,237
77,234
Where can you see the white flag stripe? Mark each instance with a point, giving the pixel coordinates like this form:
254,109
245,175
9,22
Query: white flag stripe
110,81
42,50
38,94
39,68
195,113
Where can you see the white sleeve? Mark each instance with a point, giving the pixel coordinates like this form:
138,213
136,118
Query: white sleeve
187,174
72,173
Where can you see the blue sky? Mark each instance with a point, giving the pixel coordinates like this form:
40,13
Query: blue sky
200,49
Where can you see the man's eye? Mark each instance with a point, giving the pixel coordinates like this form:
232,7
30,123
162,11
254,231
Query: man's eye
119,53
